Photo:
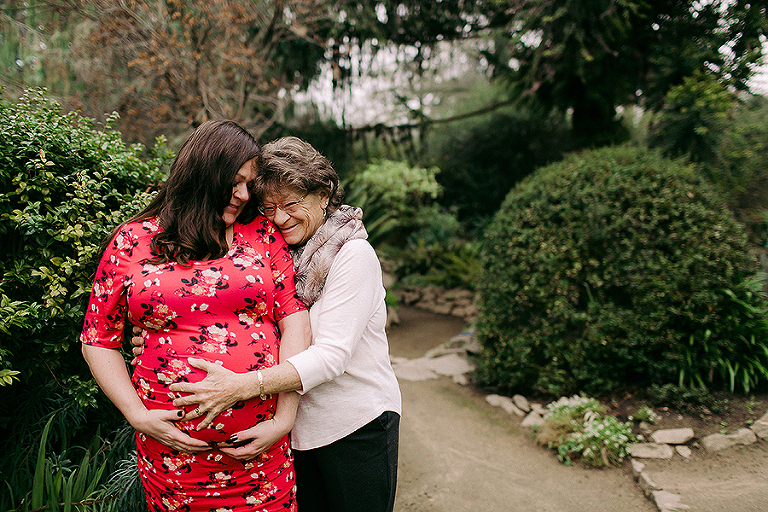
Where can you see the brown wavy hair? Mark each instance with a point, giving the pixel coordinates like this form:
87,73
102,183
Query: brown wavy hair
190,204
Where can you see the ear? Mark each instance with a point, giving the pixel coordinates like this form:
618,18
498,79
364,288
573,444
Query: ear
325,198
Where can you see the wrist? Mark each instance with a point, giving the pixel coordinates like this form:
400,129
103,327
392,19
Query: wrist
282,424
247,386
260,379
137,417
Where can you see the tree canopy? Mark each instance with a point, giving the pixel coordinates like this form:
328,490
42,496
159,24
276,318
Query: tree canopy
591,57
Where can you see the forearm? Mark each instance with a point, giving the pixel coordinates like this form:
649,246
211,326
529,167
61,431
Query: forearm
108,368
296,336
223,388
285,413
275,379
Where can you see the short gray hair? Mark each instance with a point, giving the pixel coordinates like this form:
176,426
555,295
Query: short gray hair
290,162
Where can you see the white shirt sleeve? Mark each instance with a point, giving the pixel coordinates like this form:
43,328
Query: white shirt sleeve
352,292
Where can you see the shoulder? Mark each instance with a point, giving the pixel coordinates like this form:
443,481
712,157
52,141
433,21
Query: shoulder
358,246
133,234
261,231
358,254
258,226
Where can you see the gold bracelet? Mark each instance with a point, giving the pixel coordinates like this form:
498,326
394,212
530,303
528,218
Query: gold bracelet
259,376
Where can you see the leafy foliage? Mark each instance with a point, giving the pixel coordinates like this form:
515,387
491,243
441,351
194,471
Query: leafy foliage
740,166
693,118
594,56
418,22
437,252
390,194
481,163
65,186
616,267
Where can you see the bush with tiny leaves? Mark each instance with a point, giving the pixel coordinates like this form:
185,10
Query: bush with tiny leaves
64,186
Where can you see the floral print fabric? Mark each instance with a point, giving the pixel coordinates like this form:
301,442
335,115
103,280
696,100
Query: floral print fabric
224,310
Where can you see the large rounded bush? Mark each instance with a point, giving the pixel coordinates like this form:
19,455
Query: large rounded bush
613,267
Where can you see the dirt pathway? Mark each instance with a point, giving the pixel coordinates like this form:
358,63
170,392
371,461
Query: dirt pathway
458,453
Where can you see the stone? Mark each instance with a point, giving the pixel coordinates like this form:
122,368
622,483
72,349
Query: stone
449,365
637,468
717,442
650,451
539,409
521,403
684,451
460,344
409,297
392,316
388,280
468,311
760,427
461,340
673,435
440,309
473,347
646,484
505,403
533,420
413,370
395,360
460,379
666,501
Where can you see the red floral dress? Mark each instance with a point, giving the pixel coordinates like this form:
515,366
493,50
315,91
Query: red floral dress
223,310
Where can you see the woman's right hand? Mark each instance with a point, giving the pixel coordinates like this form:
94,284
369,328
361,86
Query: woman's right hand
160,425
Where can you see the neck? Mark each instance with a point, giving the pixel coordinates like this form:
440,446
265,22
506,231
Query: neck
230,234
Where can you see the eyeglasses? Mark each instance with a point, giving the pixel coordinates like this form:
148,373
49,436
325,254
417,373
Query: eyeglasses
290,207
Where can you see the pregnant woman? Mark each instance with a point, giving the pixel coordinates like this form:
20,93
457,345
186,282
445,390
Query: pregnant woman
209,278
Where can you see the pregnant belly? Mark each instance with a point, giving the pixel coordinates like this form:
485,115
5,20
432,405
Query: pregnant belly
240,416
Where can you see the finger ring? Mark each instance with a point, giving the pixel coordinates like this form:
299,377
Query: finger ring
197,411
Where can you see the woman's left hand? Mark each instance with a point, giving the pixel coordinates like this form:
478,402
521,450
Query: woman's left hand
220,390
259,439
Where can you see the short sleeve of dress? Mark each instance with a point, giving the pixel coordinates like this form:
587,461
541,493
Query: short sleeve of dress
286,300
105,317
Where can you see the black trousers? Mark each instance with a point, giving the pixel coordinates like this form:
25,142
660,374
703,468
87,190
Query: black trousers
357,473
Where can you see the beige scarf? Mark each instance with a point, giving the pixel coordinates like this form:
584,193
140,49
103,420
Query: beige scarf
313,260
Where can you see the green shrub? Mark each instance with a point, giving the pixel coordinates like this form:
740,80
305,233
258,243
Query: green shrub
579,429
391,194
618,267
740,169
693,118
687,399
436,252
64,186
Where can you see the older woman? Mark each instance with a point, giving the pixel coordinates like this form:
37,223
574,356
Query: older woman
205,276
345,438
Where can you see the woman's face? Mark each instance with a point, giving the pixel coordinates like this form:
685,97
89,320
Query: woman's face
304,216
240,192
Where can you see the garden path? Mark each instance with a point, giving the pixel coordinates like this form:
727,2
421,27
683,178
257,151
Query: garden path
458,453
